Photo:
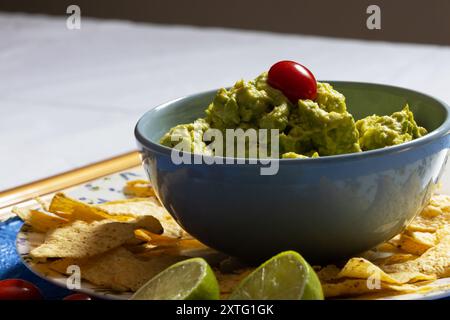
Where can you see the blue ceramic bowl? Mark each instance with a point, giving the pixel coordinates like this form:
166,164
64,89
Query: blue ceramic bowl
326,208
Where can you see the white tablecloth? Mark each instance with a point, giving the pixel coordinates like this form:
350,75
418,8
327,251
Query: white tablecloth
72,97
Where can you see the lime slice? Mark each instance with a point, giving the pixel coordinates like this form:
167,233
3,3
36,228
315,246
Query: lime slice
191,279
286,276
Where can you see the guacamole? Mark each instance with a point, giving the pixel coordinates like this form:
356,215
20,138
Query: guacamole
308,128
381,131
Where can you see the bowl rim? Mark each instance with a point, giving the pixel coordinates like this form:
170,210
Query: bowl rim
441,131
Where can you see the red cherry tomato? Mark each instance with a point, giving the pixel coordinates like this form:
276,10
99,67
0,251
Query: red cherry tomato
294,80
78,296
17,289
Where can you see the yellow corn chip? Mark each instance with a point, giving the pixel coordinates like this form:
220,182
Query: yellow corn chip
410,245
40,221
360,268
139,188
435,261
118,269
355,287
441,201
387,247
162,245
433,216
144,207
394,258
129,200
61,265
427,239
42,203
75,210
143,235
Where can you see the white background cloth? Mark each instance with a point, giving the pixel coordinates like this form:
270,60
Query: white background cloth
72,97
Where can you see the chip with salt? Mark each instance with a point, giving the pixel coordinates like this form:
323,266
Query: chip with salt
426,239
435,261
86,239
409,245
118,269
432,216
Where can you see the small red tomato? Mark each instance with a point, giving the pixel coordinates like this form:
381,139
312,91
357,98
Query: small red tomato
294,80
78,296
17,289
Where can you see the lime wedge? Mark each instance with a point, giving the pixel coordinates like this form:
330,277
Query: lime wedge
286,276
191,279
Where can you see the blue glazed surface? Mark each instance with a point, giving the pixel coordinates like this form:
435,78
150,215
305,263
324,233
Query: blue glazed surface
327,208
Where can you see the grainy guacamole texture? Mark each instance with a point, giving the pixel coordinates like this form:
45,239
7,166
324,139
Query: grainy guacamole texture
308,128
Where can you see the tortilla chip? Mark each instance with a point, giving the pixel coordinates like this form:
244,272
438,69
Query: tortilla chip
139,188
40,221
426,239
163,240
158,245
144,207
442,201
61,265
433,216
360,268
387,247
435,261
73,210
442,233
141,234
82,239
42,203
118,269
410,245
355,287
394,258
107,204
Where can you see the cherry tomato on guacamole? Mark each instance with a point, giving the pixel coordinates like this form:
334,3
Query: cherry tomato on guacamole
17,289
78,296
293,79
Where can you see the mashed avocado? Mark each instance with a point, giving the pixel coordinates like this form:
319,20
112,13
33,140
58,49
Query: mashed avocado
381,131
309,128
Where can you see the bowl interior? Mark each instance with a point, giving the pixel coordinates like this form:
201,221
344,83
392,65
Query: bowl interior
363,99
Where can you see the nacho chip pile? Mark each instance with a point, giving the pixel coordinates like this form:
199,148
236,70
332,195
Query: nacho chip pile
407,263
120,245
